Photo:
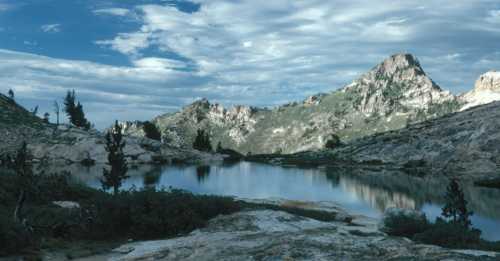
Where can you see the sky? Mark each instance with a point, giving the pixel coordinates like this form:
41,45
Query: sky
136,59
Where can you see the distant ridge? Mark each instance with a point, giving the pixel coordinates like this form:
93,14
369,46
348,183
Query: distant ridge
393,94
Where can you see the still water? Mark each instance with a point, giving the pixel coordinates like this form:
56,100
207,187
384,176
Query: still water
361,191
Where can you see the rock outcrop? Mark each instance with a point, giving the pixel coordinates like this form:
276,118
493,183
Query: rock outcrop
276,235
65,144
391,95
464,144
399,81
486,90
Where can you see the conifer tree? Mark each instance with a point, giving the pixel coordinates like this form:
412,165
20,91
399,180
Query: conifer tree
455,208
74,111
46,117
56,111
151,131
219,147
25,180
115,144
35,110
11,94
202,141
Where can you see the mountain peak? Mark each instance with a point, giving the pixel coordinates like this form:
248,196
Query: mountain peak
486,90
402,62
488,81
397,82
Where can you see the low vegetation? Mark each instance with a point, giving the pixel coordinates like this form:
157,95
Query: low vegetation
452,230
202,142
137,214
488,183
151,131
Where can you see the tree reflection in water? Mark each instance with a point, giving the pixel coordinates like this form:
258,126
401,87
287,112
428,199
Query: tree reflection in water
202,173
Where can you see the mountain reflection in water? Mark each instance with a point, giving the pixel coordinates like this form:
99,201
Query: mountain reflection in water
359,191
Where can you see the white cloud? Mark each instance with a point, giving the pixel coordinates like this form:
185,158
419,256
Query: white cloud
51,28
159,63
263,52
112,11
128,43
146,88
493,17
30,43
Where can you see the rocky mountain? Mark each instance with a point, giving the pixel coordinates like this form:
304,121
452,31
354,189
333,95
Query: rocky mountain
391,95
486,90
465,144
66,144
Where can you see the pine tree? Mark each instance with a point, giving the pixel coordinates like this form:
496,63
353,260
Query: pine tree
75,111
202,141
25,180
46,117
115,144
151,131
11,94
56,111
35,110
333,142
455,208
219,147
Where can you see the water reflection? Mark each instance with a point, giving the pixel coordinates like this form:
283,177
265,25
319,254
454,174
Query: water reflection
360,191
202,173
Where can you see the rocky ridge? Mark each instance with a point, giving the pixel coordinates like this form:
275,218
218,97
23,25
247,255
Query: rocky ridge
65,144
486,90
465,144
393,94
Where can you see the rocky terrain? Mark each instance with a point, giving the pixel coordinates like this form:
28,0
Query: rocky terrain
278,235
65,144
486,90
465,144
390,96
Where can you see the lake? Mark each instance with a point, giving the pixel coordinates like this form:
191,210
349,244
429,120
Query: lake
359,191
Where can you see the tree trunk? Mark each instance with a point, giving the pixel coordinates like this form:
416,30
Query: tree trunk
19,207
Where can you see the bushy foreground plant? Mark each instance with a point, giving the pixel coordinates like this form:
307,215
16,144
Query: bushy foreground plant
453,230
139,215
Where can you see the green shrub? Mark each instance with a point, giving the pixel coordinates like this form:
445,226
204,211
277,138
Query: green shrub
452,235
142,215
151,131
405,225
13,237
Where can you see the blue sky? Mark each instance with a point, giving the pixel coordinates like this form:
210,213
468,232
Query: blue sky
133,60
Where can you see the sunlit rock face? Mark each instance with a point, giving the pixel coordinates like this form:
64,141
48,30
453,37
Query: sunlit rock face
391,95
399,81
276,235
66,144
486,90
465,143
133,128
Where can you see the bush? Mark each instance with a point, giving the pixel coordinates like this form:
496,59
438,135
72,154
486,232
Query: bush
404,223
450,235
13,238
150,214
151,131
144,214
333,142
202,141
